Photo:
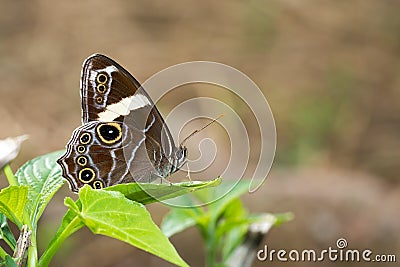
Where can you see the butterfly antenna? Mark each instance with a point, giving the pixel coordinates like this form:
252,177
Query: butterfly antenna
201,129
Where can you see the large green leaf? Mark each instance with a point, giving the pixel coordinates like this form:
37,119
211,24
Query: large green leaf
146,193
12,203
178,219
110,213
43,176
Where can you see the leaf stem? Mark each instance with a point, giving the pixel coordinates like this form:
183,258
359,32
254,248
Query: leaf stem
55,244
10,175
32,250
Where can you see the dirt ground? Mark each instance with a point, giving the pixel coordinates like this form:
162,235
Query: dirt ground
329,70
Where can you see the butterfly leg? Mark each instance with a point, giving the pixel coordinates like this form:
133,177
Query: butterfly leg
168,179
165,179
188,172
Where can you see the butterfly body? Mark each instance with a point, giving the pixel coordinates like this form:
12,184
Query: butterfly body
123,137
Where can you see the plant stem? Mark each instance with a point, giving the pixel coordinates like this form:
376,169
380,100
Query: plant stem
32,252
23,246
55,244
210,246
10,175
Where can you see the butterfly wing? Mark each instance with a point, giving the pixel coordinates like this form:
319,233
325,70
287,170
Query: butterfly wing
111,95
96,156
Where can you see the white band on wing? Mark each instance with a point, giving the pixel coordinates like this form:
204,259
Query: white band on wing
123,107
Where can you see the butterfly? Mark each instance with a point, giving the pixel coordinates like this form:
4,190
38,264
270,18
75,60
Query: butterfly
123,137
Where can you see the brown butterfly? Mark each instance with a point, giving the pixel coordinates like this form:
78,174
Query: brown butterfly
123,137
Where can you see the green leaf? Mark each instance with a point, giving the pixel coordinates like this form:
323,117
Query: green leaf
146,193
179,219
10,261
233,216
43,176
110,213
5,232
12,203
232,240
229,191
234,210
233,226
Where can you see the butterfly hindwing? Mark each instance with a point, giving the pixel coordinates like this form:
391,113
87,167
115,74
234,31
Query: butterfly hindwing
99,159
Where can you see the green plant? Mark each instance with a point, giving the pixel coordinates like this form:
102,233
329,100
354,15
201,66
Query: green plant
224,224
108,212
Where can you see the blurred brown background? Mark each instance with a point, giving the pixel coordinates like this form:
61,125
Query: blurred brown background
329,69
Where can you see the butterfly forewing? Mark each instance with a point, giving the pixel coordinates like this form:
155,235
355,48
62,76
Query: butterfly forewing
122,99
